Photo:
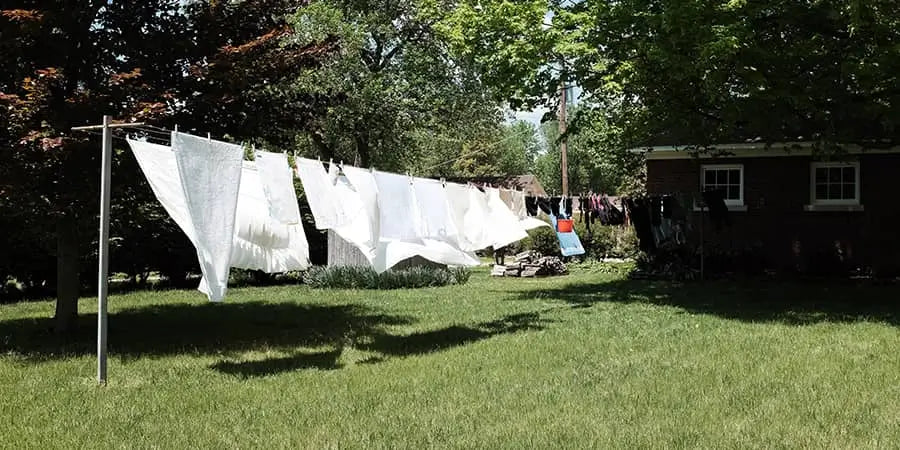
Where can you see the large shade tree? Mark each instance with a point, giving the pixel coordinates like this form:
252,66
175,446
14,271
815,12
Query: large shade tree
700,72
68,63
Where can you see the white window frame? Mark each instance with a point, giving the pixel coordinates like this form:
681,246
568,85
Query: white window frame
740,167
833,202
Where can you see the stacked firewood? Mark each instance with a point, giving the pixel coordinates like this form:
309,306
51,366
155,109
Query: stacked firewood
531,264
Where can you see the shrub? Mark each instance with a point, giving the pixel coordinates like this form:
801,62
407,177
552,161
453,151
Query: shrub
359,277
601,242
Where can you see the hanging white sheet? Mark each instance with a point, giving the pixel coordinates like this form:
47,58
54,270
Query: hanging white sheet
210,176
468,209
363,183
437,219
259,241
319,190
399,214
359,231
278,186
159,167
504,225
262,241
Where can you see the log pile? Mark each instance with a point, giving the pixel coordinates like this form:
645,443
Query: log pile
531,264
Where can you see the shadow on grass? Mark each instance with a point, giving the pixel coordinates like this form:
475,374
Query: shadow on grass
230,329
386,346
453,336
204,329
301,361
790,303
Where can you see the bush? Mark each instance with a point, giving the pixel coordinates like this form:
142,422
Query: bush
359,277
602,242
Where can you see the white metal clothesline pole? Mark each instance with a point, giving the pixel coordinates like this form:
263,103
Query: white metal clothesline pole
103,271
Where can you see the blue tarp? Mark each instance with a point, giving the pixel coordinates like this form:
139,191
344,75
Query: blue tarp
569,243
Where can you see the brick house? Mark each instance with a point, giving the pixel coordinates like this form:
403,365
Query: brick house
794,208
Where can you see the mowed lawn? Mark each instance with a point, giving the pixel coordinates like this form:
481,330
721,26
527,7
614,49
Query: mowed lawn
585,360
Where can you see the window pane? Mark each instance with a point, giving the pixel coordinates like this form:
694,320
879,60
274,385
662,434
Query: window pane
821,175
821,191
834,174
734,176
721,177
709,177
849,175
834,191
734,193
849,191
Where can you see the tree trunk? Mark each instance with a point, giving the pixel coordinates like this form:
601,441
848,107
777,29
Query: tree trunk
363,151
67,269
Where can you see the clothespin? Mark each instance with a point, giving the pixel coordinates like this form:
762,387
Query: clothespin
176,127
208,136
372,170
443,182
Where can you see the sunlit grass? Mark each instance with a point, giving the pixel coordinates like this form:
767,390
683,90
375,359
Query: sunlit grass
585,360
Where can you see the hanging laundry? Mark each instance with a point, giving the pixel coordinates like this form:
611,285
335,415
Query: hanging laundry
157,162
210,173
437,218
319,191
639,211
278,186
569,243
399,214
531,206
504,225
359,232
468,210
258,240
261,240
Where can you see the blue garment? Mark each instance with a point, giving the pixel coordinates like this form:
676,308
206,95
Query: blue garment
569,244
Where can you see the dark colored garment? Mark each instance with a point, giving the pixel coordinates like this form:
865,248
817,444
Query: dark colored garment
584,205
544,205
656,211
613,215
668,206
718,211
639,211
531,206
554,205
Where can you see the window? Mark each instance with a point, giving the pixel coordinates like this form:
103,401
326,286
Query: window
835,183
729,179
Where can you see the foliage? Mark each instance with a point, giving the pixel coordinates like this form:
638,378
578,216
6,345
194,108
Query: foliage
357,277
401,101
597,160
702,72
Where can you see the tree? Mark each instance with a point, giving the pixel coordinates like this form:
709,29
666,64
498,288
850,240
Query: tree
598,162
67,63
400,101
701,72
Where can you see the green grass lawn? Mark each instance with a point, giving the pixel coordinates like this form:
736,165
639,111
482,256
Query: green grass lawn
585,360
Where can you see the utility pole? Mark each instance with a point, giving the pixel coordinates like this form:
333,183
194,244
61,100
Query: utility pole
561,118
103,272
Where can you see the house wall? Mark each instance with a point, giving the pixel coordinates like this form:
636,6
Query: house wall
775,192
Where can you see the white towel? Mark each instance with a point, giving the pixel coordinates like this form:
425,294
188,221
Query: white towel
278,186
363,182
319,190
437,218
159,167
210,176
359,230
262,241
504,225
399,215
